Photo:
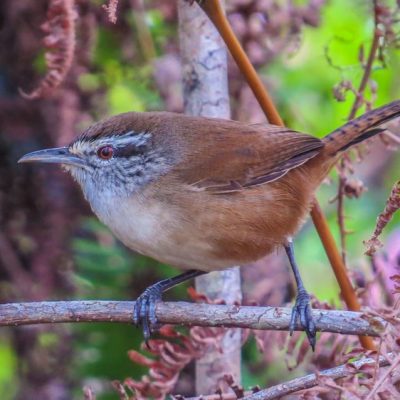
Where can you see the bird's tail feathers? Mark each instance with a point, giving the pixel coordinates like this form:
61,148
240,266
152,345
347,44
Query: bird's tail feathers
360,129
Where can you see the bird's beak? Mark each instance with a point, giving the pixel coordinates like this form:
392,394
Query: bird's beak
60,155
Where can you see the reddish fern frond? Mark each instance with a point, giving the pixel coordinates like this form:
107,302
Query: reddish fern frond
60,47
367,381
111,10
172,352
88,393
392,205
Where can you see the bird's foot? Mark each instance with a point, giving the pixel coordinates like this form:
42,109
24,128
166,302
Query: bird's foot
302,310
144,313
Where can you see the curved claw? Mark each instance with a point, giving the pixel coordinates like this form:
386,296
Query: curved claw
144,313
303,311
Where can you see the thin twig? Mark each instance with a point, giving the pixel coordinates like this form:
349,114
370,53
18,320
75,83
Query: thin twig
368,66
391,136
311,380
358,101
304,382
340,208
215,396
262,318
394,364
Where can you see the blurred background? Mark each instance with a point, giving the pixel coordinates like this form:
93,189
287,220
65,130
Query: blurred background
51,246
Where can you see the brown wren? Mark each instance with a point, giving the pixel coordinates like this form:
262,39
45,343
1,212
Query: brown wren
205,194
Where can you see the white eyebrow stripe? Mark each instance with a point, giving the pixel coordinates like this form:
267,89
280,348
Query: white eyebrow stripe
84,146
132,138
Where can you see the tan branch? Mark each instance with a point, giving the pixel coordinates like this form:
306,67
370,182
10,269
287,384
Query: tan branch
260,318
298,384
311,380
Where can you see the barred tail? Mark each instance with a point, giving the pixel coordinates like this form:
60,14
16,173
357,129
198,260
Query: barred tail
359,129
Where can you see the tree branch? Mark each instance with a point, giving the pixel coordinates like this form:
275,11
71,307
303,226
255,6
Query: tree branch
229,316
308,381
304,382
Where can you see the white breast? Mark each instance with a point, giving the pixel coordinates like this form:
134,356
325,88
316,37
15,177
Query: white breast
148,225
154,229
134,222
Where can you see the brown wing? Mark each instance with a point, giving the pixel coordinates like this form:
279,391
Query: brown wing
237,156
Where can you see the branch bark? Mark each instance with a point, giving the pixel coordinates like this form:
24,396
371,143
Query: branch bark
182,313
311,380
304,382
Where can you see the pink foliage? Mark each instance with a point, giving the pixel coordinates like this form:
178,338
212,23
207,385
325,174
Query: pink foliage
171,353
111,10
392,205
60,47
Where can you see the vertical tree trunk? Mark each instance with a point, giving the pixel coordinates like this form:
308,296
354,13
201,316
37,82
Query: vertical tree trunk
205,88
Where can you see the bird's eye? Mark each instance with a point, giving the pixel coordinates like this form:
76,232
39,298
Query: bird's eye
105,152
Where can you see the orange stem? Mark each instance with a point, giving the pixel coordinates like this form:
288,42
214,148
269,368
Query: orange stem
347,291
214,11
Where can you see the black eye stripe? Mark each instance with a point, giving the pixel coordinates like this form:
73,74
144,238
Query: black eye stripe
129,150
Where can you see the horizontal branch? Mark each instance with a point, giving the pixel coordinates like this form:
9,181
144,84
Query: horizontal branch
297,384
181,313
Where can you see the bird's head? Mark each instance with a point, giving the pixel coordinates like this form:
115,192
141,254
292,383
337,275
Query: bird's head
113,158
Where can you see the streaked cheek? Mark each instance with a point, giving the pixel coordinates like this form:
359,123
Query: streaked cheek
78,174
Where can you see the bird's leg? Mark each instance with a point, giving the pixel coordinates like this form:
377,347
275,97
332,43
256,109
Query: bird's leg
144,313
302,309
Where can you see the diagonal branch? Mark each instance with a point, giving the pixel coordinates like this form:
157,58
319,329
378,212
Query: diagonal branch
304,382
308,381
229,316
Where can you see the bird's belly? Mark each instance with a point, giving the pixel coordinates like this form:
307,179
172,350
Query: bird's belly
208,232
156,230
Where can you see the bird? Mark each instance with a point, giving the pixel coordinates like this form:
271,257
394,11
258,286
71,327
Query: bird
204,194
